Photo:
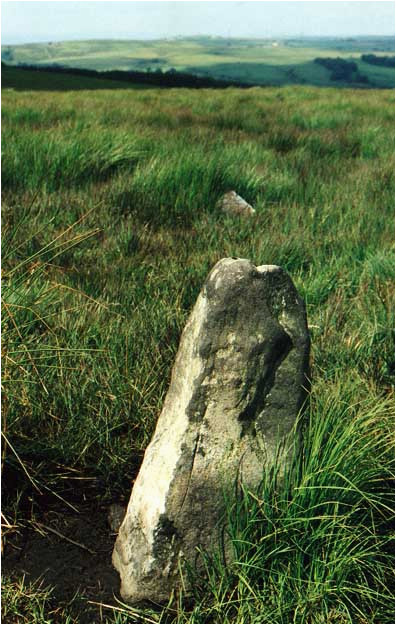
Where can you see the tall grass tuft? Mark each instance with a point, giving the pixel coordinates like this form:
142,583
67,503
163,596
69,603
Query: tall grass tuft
175,186
313,545
52,161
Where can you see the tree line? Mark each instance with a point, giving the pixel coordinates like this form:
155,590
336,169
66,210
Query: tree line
170,78
382,61
342,70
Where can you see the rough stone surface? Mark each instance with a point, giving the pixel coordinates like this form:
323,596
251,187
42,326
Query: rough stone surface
237,386
233,204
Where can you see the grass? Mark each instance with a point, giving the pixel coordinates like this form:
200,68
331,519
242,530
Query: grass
305,546
110,227
28,603
258,61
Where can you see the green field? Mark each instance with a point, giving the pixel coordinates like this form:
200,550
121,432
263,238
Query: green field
110,227
263,62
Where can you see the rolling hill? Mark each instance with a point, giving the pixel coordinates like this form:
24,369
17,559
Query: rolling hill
254,61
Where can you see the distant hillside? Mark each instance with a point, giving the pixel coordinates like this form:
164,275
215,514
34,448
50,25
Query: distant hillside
252,61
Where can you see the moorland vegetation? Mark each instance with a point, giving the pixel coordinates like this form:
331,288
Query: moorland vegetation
110,228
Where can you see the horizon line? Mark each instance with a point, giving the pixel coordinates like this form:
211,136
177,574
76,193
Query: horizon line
200,35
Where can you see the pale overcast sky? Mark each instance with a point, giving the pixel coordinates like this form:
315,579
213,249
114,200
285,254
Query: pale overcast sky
55,20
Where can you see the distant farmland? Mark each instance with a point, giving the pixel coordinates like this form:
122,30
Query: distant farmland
255,61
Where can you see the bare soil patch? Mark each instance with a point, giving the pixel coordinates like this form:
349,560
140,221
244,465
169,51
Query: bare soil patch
70,552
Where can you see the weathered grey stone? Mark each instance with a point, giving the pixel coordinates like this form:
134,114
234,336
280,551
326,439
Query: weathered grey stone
233,204
236,389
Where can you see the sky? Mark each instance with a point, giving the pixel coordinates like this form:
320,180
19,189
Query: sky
31,21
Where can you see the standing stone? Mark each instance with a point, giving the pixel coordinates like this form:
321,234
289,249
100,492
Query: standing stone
236,389
233,204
